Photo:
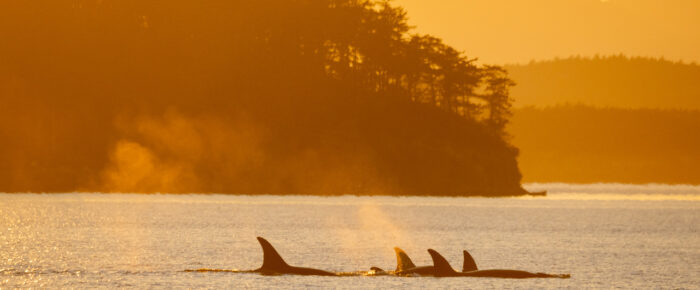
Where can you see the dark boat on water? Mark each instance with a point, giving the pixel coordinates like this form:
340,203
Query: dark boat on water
538,193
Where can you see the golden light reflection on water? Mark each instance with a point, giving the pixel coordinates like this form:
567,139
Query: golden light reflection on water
348,238
49,239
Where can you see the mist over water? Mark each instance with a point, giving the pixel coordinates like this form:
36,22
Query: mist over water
138,240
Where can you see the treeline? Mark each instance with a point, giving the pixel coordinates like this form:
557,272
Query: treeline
583,144
297,96
608,81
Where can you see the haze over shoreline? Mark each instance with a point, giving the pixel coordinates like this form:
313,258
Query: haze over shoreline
607,119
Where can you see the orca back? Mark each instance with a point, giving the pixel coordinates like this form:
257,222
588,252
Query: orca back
442,267
272,261
469,263
403,262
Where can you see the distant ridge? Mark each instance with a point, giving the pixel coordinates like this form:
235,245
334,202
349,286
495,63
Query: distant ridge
608,81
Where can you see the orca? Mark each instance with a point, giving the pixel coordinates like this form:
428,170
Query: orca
443,269
274,264
404,265
469,264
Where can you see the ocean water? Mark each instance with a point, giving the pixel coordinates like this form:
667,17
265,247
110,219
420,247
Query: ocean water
604,235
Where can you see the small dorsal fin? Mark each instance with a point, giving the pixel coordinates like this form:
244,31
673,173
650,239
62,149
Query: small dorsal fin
469,263
403,262
442,267
272,261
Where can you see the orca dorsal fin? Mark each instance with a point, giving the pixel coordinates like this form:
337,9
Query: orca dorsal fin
442,267
469,263
272,261
403,262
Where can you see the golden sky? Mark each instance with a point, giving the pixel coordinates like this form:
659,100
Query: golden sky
517,31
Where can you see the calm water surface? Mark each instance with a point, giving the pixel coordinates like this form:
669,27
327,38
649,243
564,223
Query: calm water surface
604,235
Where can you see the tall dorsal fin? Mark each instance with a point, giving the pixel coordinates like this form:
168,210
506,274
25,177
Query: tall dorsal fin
442,267
403,262
469,263
272,261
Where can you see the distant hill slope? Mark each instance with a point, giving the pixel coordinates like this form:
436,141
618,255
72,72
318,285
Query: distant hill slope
616,81
582,144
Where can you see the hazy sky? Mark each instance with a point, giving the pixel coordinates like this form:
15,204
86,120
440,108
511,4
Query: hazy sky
517,31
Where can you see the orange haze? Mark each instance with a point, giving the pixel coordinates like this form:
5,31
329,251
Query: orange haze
517,31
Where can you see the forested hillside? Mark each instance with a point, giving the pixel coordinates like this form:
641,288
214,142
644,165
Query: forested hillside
255,97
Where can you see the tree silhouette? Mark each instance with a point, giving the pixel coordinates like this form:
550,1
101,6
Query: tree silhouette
496,96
